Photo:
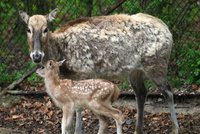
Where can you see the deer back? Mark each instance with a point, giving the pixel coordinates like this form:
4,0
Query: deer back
112,46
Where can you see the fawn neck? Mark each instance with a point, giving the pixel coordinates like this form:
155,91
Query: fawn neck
52,79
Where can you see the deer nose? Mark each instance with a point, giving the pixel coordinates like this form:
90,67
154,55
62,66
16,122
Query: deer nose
37,57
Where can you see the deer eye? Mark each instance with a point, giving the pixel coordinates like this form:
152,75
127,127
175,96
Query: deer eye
29,30
45,30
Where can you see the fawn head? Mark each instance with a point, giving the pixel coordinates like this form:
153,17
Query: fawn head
37,33
51,68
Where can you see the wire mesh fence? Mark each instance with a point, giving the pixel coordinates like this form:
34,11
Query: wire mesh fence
182,17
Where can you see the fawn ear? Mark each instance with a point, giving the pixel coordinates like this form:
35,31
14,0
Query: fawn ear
24,16
52,15
61,62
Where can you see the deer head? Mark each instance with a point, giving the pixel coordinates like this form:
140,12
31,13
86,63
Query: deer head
37,33
51,68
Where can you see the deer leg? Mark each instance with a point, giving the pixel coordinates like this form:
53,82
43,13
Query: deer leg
116,115
68,112
79,122
137,83
109,111
64,122
103,123
157,73
167,92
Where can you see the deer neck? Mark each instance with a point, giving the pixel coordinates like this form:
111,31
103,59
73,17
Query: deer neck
52,81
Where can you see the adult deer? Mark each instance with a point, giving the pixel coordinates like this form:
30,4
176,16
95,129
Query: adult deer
95,94
115,46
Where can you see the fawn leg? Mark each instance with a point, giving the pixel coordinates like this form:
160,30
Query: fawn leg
108,111
137,83
79,122
116,115
103,123
68,112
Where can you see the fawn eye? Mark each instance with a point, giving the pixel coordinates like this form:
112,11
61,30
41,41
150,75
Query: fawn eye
45,30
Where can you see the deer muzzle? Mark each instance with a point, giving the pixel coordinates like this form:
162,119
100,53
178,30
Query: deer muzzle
37,56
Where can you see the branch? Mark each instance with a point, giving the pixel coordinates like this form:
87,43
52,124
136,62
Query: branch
17,82
114,7
22,92
123,95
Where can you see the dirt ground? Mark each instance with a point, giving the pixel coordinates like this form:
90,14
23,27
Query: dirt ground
33,115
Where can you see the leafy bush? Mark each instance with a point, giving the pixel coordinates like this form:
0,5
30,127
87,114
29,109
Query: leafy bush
5,77
124,85
34,79
8,77
189,65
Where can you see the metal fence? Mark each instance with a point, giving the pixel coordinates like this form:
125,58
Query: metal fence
182,17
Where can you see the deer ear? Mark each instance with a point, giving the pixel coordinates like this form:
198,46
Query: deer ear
51,16
61,62
24,16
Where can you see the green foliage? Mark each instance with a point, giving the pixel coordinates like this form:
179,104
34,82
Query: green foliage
189,64
124,85
176,81
34,79
132,7
8,76
149,84
5,77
